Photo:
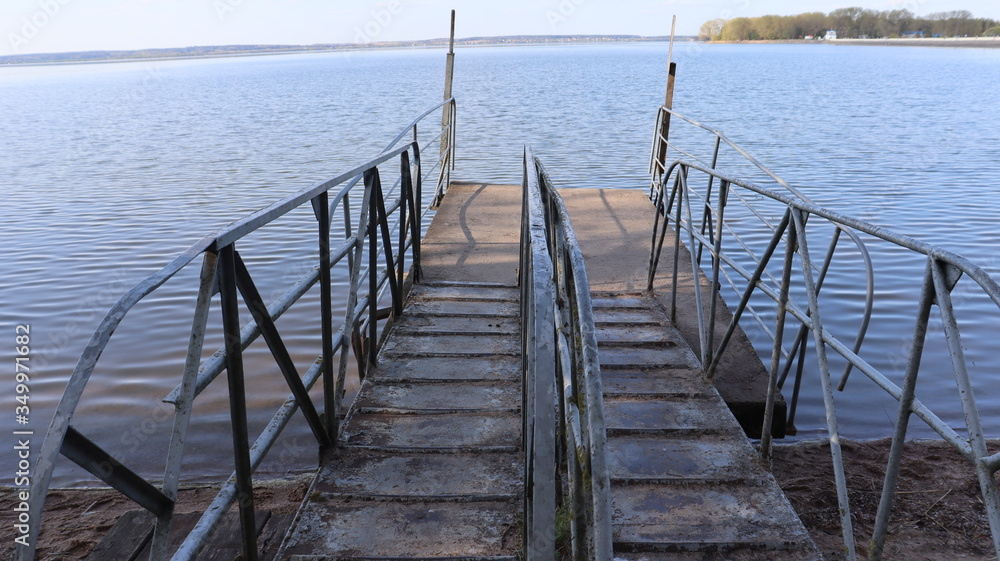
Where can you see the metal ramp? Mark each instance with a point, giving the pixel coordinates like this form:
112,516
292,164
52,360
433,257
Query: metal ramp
429,461
684,480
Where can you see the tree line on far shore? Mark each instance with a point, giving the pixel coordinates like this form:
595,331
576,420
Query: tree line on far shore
850,23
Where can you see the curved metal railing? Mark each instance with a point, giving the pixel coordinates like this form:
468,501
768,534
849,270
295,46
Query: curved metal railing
368,235
708,227
673,197
561,374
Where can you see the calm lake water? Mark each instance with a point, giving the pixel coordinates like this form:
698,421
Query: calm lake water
109,170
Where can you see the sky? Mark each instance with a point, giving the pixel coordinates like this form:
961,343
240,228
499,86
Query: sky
34,26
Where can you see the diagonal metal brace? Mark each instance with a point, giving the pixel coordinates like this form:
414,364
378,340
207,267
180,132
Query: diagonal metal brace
94,459
270,333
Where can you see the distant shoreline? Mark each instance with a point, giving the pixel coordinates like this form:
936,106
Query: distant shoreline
954,42
224,51
228,51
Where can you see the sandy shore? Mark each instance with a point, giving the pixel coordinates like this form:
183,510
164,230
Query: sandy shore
75,520
955,42
939,515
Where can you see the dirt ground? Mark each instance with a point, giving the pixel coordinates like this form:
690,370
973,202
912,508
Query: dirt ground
75,520
939,515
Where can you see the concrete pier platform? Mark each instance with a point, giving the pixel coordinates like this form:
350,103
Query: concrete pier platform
615,228
429,462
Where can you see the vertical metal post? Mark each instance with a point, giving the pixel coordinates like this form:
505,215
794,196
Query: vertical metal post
679,190
824,371
796,386
395,290
372,184
322,206
350,315
664,132
411,198
716,264
779,330
418,182
449,72
698,302
748,291
706,218
185,402
654,248
903,416
348,230
973,423
237,399
405,195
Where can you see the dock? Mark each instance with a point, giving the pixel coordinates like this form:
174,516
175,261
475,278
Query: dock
531,390
429,461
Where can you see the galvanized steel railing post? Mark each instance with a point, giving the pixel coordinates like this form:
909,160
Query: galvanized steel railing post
799,221
943,284
237,399
322,207
184,405
903,416
779,330
716,263
373,184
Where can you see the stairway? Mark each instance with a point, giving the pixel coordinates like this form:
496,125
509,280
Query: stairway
685,482
429,465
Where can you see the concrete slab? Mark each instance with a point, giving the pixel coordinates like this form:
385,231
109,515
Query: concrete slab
453,368
446,396
453,292
615,244
412,475
803,553
698,517
468,431
451,345
393,529
413,324
612,316
641,459
690,414
655,383
474,235
603,300
663,356
628,333
470,308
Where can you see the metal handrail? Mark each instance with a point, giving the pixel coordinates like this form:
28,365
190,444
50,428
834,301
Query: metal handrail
562,373
943,270
224,272
660,172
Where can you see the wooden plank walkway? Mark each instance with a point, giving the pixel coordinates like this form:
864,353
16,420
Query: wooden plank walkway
429,466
